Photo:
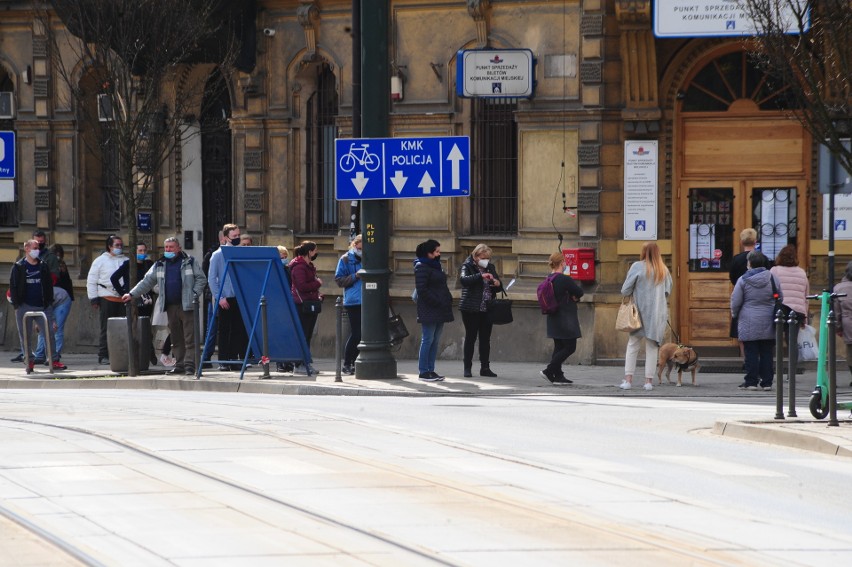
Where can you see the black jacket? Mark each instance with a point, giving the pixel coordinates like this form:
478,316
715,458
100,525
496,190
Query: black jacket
564,324
473,285
434,301
18,283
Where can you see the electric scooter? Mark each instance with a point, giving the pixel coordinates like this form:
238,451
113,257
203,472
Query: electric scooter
819,397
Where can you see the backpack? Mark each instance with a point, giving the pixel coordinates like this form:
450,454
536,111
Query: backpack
546,296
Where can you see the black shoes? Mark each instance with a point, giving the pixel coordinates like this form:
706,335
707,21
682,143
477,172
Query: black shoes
486,371
467,372
103,360
19,358
431,377
348,370
553,378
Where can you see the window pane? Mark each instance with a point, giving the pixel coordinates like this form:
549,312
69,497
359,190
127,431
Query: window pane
710,230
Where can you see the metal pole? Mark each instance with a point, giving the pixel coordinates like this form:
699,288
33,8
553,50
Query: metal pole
375,360
197,334
779,364
338,338
354,220
264,329
832,372
793,357
132,351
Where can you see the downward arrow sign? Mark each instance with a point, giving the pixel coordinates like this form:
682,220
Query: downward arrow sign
426,183
455,157
359,181
398,181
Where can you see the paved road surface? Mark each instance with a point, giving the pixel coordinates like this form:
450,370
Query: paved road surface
186,478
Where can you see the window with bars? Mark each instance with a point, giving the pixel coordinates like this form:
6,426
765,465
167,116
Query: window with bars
111,199
494,195
319,160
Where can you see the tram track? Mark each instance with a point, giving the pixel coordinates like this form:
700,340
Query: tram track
686,552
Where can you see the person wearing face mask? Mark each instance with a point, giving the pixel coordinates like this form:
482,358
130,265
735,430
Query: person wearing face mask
121,281
434,306
480,285
346,276
100,291
31,289
305,285
46,255
233,339
180,280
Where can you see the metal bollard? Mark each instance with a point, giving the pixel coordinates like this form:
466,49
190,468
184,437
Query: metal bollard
338,338
779,364
47,349
264,329
132,345
196,333
832,370
793,359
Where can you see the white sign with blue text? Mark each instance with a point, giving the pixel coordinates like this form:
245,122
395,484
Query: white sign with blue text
402,168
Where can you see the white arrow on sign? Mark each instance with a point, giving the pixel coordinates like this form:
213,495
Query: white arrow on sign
359,181
455,157
398,181
426,183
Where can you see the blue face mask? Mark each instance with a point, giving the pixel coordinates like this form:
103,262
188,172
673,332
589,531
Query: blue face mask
117,251
285,261
169,255
141,257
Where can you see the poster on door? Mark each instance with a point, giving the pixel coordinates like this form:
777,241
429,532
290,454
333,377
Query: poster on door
640,190
842,217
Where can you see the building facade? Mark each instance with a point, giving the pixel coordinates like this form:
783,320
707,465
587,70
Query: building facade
548,172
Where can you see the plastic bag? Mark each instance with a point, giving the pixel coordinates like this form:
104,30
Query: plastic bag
806,341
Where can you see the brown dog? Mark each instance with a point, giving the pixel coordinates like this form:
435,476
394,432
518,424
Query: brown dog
684,357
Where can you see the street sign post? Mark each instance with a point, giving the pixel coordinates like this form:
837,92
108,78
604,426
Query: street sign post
402,168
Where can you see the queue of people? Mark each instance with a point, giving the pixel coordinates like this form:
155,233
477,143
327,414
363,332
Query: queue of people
169,286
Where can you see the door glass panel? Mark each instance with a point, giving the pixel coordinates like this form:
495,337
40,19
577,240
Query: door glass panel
774,218
710,230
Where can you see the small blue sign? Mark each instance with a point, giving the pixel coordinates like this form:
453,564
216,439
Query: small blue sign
402,168
143,222
7,155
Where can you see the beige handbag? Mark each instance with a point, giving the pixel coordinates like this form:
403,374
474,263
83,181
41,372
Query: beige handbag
628,316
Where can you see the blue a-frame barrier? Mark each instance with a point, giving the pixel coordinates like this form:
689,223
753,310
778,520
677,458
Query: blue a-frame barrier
257,272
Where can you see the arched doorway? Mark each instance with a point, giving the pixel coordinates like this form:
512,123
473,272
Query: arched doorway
741,162
216,164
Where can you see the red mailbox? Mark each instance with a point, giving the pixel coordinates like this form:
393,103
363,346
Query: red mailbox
580,263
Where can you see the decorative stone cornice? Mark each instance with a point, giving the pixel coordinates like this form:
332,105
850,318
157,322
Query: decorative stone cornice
308,15
633,12
480,10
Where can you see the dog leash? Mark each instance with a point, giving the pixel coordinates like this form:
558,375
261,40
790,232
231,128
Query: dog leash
674,334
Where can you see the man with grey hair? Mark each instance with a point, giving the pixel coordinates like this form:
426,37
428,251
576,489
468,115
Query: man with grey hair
181,281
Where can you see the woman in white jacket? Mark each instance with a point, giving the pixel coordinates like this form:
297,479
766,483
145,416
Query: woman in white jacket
794,289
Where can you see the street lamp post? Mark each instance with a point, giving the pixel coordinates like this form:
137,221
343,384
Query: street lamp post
375,360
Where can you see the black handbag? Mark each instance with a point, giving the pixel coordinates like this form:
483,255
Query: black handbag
312,306
500,311
397,330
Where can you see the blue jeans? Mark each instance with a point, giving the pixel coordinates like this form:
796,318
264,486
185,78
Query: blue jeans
60,314
429,346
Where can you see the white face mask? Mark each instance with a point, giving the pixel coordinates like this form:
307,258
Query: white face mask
483,263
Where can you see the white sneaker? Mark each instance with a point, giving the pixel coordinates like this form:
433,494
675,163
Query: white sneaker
625,385
648,386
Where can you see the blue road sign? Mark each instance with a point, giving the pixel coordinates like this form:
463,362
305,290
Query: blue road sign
402,168
7,155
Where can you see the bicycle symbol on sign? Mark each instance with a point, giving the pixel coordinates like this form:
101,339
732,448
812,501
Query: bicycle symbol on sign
359,156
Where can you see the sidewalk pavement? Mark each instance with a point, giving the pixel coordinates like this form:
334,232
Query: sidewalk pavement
514,379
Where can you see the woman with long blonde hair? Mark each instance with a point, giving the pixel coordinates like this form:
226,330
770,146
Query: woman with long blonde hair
650,283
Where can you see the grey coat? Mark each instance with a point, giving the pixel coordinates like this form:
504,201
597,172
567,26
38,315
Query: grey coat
753,304
843,308
650,299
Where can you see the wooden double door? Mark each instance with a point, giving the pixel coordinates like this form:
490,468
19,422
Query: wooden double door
735,174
